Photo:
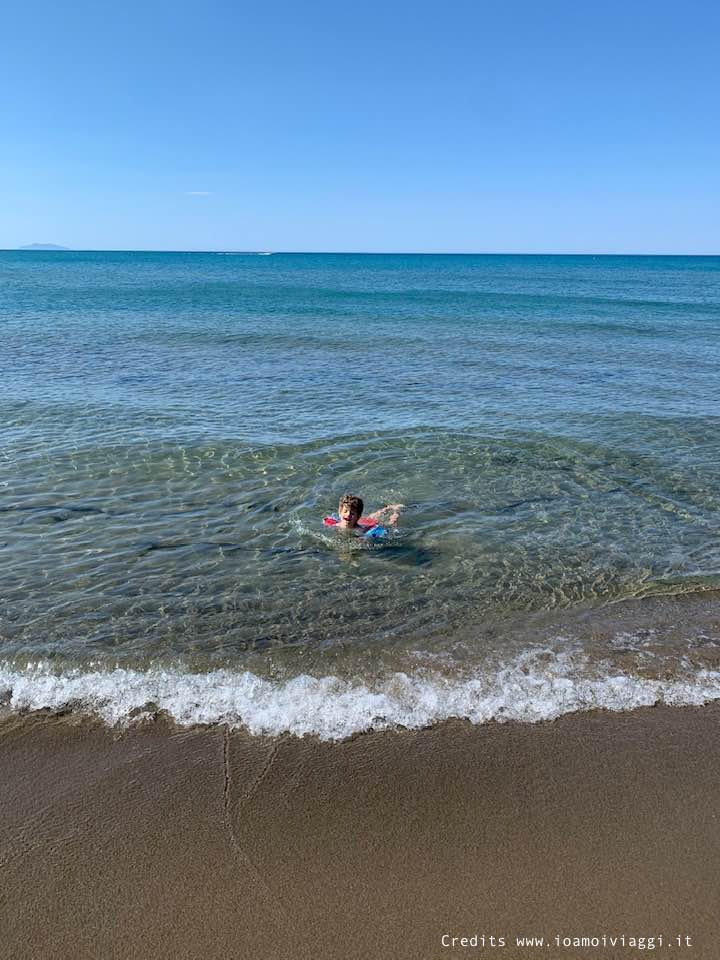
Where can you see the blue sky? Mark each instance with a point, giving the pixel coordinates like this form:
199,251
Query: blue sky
395,126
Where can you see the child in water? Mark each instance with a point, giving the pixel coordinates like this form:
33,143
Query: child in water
350,511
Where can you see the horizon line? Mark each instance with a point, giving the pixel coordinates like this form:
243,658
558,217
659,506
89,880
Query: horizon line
368,253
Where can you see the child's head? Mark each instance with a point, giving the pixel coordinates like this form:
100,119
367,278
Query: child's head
350,509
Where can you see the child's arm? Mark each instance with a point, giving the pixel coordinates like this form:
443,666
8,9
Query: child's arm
391,508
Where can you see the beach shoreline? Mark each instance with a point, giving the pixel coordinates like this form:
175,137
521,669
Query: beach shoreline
157,841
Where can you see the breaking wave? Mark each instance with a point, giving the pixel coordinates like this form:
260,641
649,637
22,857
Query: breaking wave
537,685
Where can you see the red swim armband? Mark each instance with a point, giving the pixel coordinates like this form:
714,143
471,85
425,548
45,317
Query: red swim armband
333,520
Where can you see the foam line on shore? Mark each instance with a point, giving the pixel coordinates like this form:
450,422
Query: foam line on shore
535,686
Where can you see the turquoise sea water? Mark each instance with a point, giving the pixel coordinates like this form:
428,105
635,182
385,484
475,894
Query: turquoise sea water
174,427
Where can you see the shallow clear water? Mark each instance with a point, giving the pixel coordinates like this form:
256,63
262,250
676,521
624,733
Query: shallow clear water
174,427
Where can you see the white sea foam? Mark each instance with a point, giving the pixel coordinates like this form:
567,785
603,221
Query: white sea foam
539,685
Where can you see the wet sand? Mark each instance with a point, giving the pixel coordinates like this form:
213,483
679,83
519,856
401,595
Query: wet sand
162,842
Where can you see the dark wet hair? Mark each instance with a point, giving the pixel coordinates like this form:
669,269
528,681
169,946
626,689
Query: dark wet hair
355,503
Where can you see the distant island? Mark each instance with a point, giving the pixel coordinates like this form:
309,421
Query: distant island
43,246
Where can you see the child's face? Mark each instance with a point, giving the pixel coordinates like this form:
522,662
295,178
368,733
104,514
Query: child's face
348,516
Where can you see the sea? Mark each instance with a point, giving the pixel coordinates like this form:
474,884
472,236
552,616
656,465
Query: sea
174,427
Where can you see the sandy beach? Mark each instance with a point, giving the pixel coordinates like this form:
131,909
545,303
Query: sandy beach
162,842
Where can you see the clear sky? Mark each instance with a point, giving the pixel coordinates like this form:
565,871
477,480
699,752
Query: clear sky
396,126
